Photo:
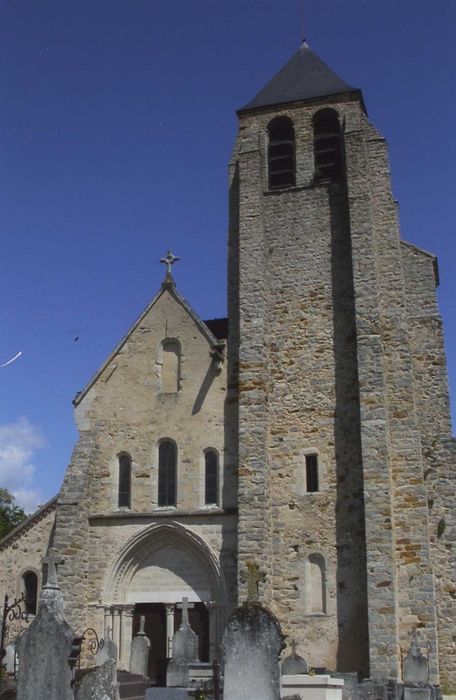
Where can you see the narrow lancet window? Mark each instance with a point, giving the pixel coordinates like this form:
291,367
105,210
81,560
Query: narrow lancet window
124,491
211,478
170,366
311,473
327,146
167,458
30,588
281,153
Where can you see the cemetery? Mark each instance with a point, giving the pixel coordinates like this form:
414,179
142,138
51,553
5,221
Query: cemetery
48,661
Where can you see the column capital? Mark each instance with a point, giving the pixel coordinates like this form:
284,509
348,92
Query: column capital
126,609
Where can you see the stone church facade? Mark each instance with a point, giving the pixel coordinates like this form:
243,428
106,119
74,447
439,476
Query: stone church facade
307,443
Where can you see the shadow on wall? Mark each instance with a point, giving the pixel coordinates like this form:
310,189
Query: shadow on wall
353,644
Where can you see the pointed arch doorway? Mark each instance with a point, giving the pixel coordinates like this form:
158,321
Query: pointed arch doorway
154,571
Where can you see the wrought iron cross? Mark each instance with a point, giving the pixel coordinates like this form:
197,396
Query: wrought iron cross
185,606
52,559
169,261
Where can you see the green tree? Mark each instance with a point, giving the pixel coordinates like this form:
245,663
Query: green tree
11,515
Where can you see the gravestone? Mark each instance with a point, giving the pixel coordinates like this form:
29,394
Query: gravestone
293,664
185,651
100,683
350,690
416,674
44,647
252,643
108,652
139,652
415,665
166,694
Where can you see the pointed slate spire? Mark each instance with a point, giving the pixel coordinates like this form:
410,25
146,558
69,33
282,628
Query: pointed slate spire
303,77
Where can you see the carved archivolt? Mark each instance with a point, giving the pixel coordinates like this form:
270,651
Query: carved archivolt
142,546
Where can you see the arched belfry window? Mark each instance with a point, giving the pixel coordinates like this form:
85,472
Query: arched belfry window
327,146
167,461
30,589
124,490
211,469
170,366
281,153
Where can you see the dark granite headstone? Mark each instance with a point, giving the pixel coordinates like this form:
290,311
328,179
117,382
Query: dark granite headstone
252,643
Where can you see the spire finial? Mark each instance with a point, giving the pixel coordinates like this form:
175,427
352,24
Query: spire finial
169,261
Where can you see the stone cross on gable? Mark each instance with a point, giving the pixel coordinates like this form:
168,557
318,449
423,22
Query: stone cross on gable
169,261
185,606
252,577
293,647
52,559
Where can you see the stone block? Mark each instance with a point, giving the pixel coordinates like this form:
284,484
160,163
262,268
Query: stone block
166,694
315,687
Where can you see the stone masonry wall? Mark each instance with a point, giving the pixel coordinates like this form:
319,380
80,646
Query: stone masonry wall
295,274
125,410
23,551
411,524
438,447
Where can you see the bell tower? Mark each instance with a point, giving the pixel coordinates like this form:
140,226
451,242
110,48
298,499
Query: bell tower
332,498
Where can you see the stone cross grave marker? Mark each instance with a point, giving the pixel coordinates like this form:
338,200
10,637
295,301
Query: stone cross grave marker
139,654
185,606
252,575
52,559
185,650
252,643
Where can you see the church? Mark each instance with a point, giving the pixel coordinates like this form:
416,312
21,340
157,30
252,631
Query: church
302,447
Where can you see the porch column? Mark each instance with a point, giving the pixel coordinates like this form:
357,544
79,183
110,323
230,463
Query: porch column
215,628
115,618
169,608
126,628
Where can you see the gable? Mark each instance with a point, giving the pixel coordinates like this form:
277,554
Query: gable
168,317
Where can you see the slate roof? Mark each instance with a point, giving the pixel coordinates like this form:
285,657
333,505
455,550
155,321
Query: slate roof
303,77
219,327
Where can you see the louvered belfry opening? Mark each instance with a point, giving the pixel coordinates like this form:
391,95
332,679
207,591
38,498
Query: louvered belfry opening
281,153
327,146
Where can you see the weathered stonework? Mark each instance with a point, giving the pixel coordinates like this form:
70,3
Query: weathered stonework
329,350
335,352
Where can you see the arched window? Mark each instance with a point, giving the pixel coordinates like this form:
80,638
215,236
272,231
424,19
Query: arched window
211,478
167,459
170,366
30,588
124,491
281,153
327,146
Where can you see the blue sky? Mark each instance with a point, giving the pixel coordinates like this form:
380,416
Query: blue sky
117,123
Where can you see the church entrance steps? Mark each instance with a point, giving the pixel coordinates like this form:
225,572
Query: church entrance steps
132,686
